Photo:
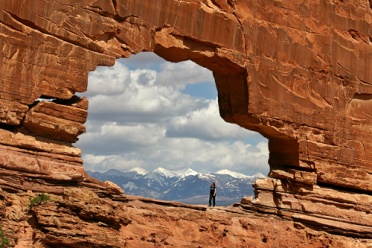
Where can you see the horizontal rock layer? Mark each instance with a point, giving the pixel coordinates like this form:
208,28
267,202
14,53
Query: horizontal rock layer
298,72
79,218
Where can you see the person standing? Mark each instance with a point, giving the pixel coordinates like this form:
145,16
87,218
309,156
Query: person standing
212,194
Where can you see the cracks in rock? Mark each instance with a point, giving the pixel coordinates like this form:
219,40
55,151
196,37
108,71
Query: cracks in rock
11,128
176,18
98,10
115,4
313,224
216,4
364,82
208,46
314,221
32,221
23,128
319,70
289,168
9,25
91,46
362,96
132,20
67,102
359,37
91,216
134,47
343,188
345,70
24,22
231,3
343,78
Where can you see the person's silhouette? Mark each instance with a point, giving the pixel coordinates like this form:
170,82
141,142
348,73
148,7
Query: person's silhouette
212,194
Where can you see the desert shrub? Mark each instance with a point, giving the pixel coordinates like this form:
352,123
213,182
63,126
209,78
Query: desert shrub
4,241
38,200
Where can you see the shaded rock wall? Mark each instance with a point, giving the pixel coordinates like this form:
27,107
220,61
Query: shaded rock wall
298,72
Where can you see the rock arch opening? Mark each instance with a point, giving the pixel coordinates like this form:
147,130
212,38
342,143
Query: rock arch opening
304,83
148,117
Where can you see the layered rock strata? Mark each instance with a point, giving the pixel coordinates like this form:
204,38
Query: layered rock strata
80,218
298,72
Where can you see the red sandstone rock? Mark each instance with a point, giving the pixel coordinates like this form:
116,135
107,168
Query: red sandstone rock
55,121
79,218
298,72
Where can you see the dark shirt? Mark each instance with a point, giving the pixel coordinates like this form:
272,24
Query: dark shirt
212,189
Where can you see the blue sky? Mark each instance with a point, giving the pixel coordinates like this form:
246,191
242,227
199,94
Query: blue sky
147,112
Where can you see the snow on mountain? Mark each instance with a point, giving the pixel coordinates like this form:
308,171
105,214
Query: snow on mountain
186,172
113,172
206,176
167,173
138,170
184,185
258,175
232,174
130,186
181,173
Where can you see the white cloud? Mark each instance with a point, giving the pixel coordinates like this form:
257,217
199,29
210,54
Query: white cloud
108,80
178,75
139,100
138,134
143,60
140,118
179,153
206,123
105,163
111,138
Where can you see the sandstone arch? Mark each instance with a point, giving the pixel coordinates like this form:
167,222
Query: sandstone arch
297,72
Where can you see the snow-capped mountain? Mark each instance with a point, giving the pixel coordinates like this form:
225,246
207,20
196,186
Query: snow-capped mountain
231,173
239,175
138,170
185,185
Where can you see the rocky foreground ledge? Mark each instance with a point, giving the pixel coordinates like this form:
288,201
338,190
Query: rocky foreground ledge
80,218
297,72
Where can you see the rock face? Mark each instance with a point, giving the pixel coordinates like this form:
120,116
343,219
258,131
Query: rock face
298,72
79,218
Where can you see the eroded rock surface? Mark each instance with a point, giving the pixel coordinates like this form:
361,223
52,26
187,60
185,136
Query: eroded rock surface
80,218
298,72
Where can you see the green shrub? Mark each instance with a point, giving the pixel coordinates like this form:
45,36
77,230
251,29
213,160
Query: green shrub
38,200
4,241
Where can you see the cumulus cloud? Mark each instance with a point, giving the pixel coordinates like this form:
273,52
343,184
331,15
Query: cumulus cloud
108,81
111,138
140,100
105,163
144,60
192,153
140,117
178,75
206,123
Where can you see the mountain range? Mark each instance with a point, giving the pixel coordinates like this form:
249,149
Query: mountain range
185,185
